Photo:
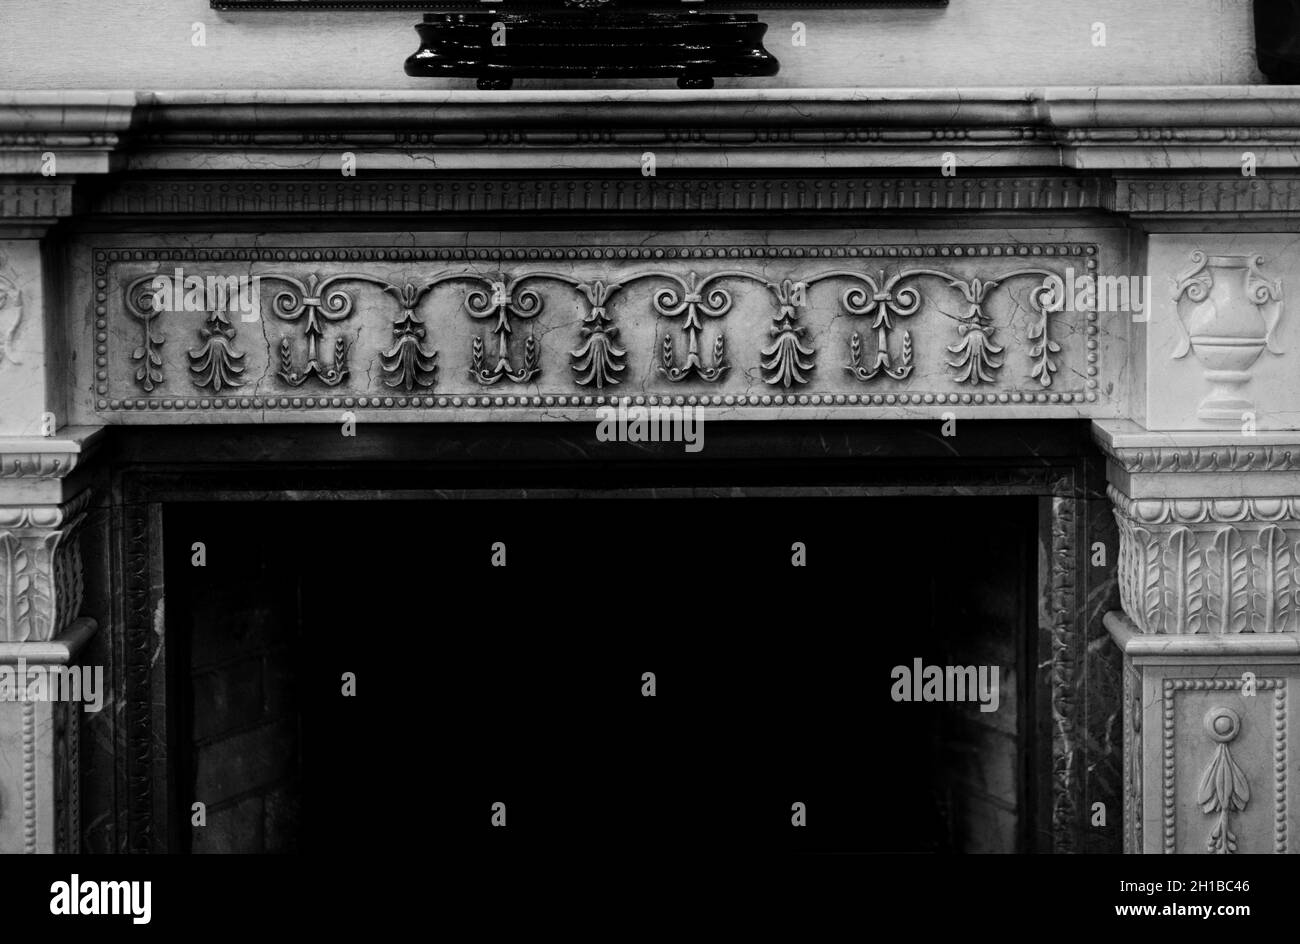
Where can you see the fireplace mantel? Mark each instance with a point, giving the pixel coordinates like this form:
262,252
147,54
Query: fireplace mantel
506,257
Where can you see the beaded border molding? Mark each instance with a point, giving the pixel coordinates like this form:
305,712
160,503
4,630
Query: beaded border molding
678,333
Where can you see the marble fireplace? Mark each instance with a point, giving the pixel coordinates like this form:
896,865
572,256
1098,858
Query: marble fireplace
1069,298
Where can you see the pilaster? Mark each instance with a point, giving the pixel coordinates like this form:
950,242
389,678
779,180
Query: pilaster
44,499
1209,574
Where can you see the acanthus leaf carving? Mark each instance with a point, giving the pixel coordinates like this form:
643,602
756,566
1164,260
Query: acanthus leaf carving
1148,573
1124,571
1272,559
1223,566
41,581
1185,582
1228,587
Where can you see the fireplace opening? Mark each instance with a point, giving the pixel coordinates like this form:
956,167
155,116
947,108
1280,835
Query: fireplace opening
499,647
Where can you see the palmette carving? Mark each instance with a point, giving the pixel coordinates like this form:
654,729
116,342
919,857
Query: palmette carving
216,363
599,357
976,352
407,364
787,359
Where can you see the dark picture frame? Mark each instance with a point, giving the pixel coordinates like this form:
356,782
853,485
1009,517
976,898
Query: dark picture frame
1277,40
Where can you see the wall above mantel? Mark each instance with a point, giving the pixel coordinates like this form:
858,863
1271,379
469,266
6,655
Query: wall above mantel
61,44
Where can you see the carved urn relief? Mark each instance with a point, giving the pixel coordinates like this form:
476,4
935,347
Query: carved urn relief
1227,314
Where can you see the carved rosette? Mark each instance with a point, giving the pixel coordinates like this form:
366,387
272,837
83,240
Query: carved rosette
41,583
1217,566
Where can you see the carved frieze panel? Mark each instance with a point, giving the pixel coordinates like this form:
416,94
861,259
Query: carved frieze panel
242,331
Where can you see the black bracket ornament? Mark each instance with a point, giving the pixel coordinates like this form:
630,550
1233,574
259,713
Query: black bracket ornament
591,39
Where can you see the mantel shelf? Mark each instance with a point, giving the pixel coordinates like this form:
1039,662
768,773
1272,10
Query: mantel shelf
1085,129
